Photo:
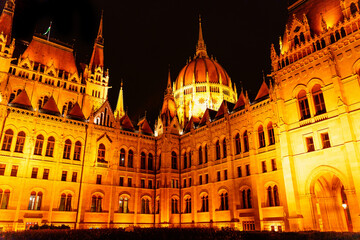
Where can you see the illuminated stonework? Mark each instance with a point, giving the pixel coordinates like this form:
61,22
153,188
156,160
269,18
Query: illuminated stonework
286,161
202,84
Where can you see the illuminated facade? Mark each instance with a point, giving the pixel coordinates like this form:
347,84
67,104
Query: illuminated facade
287,161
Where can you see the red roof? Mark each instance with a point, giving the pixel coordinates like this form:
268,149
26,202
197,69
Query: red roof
48,53
76,112
97,57
240,102
22,99
222,109
264,91
145,127
51,106
126,123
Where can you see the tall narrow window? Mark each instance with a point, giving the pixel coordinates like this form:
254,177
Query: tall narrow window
206,153
4,198
189,164
98,179
263,166
150,161
2,169
325,140
123,205
224,204
7,140
237,144
145,206
96,202
188,204
271,135
65,202
248,193
200,156
122,158
20,141
276,196
77,150
35,201
101,153
261,136
310,144
174,206
204,203
303,105
185,160
217,148
74,177
246,142
270,197
50,147
34,172
173,160
67,149
14,171
247,168
64,176
130,158
142,160
318,100
224,148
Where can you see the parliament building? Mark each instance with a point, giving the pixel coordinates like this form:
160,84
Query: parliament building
288,160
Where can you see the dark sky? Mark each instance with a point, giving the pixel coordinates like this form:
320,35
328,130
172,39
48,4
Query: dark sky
143,37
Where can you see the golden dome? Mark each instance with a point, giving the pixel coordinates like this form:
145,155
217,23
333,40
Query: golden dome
202,70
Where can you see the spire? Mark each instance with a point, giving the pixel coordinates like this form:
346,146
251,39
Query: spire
169,88
201,47
6,20
119,111
97,57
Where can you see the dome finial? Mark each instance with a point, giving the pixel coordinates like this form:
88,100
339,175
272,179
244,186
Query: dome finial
201,47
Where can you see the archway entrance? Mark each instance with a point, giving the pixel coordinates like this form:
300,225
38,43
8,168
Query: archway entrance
331,209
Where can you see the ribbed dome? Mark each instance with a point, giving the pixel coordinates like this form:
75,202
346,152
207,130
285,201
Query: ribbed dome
198,69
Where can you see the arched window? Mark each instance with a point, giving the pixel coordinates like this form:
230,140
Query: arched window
12,96
206,153
142,160
303,105
96,202
39,145
337,35
217,148
20,141
342,32
237,144
187,204
246,198
4,198
35,201
150,161
276,196
145,206
173,160
185,160
130,158
353,9
174,205
7,140
249,205
261,136
270,196
101,153
77,150
302,38
50,147
67,149
189,164
65,202
271,135
332,38
200,156
296,40
122,158
246,142
123,204
204,203
318,99
224,148
224,203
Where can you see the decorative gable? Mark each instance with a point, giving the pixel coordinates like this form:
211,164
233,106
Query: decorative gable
104,115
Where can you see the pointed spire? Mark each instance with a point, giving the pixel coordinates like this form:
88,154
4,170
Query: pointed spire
201,47
323,23
6,20
119,111
99,38
97,57
169,88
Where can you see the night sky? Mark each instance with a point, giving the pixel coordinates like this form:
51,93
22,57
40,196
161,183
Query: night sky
142,38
